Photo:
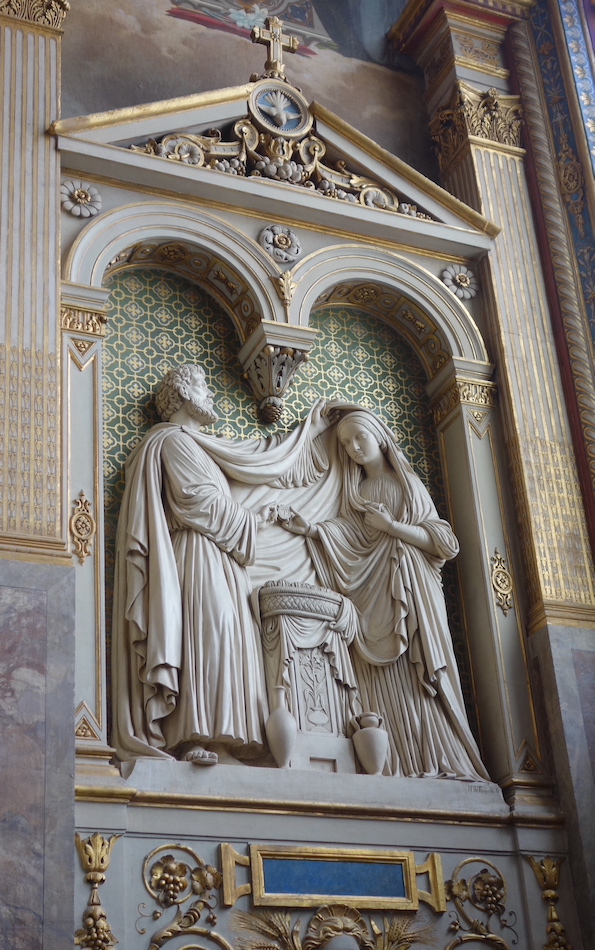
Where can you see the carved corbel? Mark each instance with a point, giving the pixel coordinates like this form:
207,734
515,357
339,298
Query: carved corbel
271,357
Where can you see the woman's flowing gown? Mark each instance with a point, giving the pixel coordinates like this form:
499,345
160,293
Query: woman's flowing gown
404,660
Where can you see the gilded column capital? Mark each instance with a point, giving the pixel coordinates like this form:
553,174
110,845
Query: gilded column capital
49,13
473,116
83,321
478,395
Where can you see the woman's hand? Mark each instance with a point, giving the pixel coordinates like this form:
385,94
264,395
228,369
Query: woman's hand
296,523
378,517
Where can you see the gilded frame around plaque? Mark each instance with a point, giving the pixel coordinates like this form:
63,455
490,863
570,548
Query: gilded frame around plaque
263,898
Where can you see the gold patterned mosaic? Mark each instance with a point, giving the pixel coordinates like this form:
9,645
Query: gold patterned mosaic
158,319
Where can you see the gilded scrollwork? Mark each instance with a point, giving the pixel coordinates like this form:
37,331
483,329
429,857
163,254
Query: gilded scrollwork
275,141
41,12
483,895
95,854
172,881
501,582
82,527
489,116
547,872
275,930
482,52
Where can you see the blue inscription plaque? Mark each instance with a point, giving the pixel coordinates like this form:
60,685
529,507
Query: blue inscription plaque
333,878
304,877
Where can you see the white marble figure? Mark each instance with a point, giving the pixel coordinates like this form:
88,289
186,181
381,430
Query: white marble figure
187,676
385,551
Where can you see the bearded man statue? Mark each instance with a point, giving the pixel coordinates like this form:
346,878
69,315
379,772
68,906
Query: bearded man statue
187,678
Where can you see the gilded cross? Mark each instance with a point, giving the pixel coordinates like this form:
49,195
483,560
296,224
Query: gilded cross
273,36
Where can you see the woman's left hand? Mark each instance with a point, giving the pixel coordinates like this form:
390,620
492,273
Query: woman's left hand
378,517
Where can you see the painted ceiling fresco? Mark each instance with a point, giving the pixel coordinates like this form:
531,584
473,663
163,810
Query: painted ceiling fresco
351,27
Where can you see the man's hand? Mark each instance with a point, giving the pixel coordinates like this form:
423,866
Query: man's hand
266,515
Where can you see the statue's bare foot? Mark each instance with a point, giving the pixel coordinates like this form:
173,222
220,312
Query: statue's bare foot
200,756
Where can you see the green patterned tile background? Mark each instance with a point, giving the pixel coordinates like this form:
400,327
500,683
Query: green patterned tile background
158,319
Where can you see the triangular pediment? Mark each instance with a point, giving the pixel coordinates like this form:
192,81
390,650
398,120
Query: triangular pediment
261,146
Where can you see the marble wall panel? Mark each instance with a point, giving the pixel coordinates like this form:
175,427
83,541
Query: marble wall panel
36,754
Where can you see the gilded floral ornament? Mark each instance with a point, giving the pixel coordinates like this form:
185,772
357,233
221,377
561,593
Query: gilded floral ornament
501,582
80,199
460,280
547,872
95,855
172,882
168,879
281,243
486,892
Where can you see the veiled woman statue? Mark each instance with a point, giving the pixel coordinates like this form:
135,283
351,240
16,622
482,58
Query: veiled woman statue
385,551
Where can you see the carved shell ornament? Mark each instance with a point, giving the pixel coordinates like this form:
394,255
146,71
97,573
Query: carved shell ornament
460,280
80,199
281,243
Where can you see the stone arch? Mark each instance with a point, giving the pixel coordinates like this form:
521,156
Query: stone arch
237,270
448,329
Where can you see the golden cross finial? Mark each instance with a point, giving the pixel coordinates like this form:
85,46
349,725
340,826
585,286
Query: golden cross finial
273,36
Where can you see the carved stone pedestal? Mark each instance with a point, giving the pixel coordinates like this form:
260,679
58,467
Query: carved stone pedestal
306,633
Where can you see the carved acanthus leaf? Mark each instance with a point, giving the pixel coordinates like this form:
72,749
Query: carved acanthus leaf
41,12
483,115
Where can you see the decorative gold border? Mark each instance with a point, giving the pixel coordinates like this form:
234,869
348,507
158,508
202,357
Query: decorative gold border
118,795
263,898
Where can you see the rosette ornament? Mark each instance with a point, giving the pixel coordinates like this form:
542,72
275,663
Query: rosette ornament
281,243
80,199
460,280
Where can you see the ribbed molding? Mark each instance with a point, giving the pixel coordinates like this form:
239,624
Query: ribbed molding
545,460
576,330
29,396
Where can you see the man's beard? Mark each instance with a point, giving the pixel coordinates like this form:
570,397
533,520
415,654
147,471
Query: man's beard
203,412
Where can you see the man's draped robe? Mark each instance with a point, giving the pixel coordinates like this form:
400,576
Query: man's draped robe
186,659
